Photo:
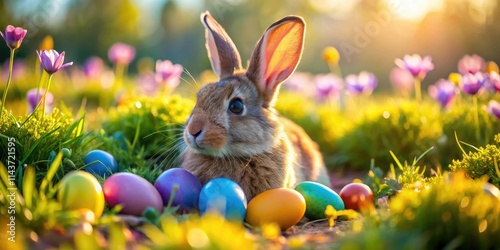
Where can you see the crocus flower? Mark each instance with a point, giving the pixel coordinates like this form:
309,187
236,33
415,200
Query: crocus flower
402,80
471,64
51,61
493,82
328,86
121,53
33,100
416,65
365,82
168,74
444,91
494,108
13,36
472,83
93,67
300,82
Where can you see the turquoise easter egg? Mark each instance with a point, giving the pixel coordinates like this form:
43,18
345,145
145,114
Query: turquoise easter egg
318,197
100,163
134,193
225,197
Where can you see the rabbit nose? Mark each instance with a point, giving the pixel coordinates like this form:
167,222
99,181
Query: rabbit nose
196,134
195,128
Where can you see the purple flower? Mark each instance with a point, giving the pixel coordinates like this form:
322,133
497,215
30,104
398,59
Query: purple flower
33,100
402,80
121,53
493,81
93,67
168,74
51,61
13,36
365,82
416,65
328,86
494,108
472,83
444,91
471,64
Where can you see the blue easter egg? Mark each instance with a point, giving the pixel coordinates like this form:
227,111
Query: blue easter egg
100,163
188,188
224,196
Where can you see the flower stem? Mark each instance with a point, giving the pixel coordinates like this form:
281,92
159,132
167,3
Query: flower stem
418,90
11,63
45,95
476,118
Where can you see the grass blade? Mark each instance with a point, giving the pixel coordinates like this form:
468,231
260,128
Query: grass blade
29,185
51,172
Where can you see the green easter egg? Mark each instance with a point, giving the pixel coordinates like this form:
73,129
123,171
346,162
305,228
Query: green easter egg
318,197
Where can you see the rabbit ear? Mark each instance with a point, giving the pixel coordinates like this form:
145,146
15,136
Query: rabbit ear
222,53
276,55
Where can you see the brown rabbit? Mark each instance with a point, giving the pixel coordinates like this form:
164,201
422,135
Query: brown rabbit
233,130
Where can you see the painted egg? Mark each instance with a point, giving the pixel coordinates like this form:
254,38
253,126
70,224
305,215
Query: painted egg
282,206
100,163
356,196
491,189
134,193
79,189
318,197
188,188
224,196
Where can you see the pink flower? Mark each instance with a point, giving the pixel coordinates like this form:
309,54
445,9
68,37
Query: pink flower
402,80
51,61
365,82
444,91
148,84
13,36
328,86
493,82
121,53
168,74
416,65
93,67
33,100
471,64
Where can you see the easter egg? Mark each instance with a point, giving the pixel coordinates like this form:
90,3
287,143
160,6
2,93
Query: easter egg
79,189
132,192
100,163
491,190
356,196
224,196
188,188
282,206
318,197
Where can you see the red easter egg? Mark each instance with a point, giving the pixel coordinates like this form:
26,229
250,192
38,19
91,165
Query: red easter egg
356,196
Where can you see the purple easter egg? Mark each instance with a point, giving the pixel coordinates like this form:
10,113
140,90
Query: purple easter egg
133,192
189,187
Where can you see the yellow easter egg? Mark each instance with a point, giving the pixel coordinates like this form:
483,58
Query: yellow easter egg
282,206
79,189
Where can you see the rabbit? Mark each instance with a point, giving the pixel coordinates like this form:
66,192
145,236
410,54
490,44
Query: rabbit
233,130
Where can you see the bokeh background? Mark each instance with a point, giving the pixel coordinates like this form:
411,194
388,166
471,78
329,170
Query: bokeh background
368,33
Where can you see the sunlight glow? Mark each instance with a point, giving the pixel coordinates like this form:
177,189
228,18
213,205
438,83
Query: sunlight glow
414,10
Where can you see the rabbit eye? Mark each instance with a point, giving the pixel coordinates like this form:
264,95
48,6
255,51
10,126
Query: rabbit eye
236,106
